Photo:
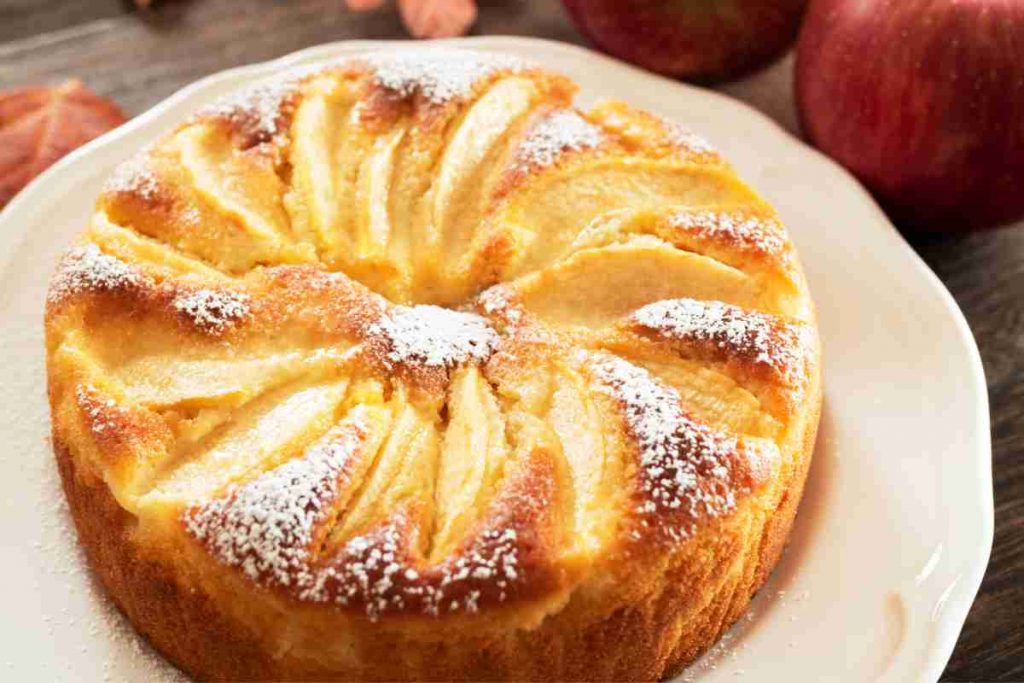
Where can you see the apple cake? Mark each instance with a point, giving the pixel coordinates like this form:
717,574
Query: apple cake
402,367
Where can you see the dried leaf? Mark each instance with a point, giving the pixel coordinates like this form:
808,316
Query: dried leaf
40,125
437,18
363,5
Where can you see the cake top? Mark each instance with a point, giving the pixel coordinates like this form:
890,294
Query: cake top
763,232
685,465
86,269
213,310
434,336
410,334
780,345
439,75
554,134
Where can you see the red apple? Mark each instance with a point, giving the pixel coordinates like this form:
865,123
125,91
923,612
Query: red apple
923,100
701,40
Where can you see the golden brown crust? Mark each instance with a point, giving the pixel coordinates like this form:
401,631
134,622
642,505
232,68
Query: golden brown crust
639,642
286,462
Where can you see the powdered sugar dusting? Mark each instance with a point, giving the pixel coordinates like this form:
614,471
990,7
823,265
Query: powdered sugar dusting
559,132
495,301
268,529
96,410
134,177
762,338
493,559
257,110
439,75
435,337
213,310
374,571
73,609
764,234
266,526
685,139
685,465
88,269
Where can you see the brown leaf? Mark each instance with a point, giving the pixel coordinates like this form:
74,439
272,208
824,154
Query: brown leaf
363,5
40,125
437,18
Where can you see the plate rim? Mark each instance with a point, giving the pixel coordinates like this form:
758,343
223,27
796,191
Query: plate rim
961,595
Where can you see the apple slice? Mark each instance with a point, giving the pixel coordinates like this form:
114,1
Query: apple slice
344,162
472,459
593,449
710,395
286,511
595,287
446,173
240,185
156,195
372,228
162,382
316,209
467,172
402,477
371,421
552,208
749,238
156,258
264,434
411,171
125,444
442,177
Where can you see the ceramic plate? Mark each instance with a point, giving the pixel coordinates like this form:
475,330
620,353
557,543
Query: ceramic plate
895,529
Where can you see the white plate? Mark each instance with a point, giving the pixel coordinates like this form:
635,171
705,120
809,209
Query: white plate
895,529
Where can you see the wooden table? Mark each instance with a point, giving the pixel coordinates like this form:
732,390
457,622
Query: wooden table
138,58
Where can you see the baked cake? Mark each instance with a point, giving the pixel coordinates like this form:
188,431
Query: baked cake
403,367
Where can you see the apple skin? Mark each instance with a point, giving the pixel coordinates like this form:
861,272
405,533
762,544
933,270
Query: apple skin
923,100
696,40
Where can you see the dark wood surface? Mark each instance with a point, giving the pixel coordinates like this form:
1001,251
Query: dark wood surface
138,58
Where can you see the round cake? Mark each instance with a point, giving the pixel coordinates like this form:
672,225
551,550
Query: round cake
402,367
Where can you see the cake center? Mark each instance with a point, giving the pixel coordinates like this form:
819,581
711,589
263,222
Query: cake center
434,336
